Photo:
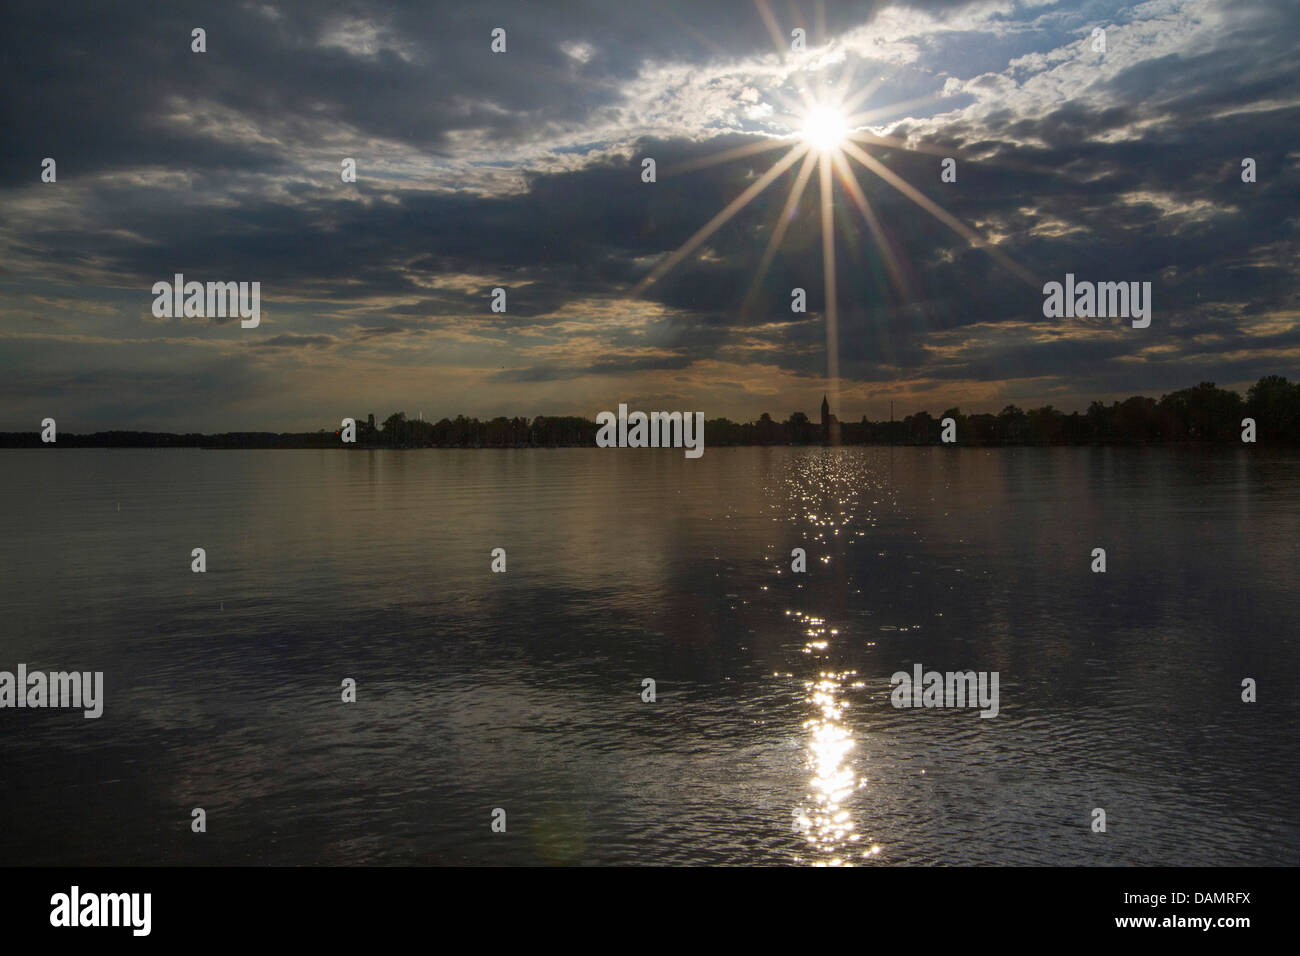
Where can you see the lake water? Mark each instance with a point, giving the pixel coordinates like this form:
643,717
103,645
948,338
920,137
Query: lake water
772,739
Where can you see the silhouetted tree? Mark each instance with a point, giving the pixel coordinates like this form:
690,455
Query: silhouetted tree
802,431
1274,403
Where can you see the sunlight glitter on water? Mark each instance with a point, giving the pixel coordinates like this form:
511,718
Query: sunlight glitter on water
824,821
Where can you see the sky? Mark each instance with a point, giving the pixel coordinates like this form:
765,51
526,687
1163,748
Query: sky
523,170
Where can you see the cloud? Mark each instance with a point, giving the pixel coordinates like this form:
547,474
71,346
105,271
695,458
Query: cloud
291,340
522,171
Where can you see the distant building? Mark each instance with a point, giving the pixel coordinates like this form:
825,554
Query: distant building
830,425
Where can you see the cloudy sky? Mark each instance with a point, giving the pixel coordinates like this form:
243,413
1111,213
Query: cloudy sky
523,170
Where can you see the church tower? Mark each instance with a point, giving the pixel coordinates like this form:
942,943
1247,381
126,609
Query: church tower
830,425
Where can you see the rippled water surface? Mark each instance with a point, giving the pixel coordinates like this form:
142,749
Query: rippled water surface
772,739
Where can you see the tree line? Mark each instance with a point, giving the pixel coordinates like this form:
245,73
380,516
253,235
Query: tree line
1203,412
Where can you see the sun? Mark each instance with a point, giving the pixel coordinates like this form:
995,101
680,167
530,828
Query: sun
825,129
823,133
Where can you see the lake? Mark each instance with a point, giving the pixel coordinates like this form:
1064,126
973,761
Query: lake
772,738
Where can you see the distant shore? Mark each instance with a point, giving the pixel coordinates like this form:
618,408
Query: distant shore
1204,413
289,442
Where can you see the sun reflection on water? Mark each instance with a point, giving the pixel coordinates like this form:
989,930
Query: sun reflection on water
830,494
824,821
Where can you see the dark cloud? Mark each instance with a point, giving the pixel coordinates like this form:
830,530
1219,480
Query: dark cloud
1140,180
417,72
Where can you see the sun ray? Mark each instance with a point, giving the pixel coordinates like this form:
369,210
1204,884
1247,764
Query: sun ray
854,190
783,223
828,277
714,224
736,152
868,138
841,90
864,117
952,222
765,12
849,103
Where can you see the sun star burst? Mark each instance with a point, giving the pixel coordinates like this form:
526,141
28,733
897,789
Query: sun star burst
824,129
827,133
